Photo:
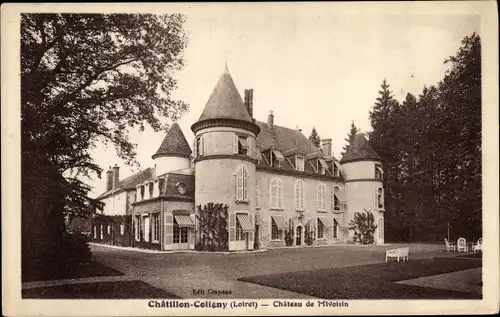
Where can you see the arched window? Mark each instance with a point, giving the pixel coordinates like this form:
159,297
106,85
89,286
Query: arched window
299,195
276,194
380,198
257,193
321,197
336,198
241,183
321,229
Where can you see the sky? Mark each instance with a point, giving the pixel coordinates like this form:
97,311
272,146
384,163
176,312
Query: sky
319,70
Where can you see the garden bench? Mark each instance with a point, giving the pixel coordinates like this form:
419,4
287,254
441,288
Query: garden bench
397,253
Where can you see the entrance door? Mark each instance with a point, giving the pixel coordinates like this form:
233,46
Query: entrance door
298,235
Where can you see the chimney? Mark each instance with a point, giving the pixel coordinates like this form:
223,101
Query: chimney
249,101
116,176
327,147
270,120
109,179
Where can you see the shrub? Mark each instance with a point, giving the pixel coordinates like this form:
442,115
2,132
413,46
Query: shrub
364,227
309,233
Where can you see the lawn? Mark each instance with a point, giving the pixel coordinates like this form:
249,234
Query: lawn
372,281
100,290
92,269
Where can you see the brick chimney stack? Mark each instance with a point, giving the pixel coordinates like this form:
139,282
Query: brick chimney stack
109,179
116,176
270,120
327,147
249,101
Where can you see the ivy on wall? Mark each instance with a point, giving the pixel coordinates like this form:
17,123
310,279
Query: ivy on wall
364,227
212,226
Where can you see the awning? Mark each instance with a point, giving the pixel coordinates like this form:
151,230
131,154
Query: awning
243,142
280,222
278,155
184,221
327,222
323,163
259,221
245,222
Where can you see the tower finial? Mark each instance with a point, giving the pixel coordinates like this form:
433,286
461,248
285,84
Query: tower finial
226,69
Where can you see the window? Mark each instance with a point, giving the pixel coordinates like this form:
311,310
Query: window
321,166
102,233
241,145
321,230
137,226
180,233
95,232
239,231
257,193
380,198
299,195
122,229
276,194
321,197
241,183
142,192
199,146
109,229
151,189
379,172
336,169
156,227
299,163
161,184
275,233
335,198
335,229
276,158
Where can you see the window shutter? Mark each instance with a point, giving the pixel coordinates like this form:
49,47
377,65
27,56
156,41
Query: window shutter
257,192
250,147
245,184
280,193
195,148
202,145
382,197
376,202
235,144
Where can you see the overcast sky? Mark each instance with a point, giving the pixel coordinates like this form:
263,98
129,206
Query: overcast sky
322,70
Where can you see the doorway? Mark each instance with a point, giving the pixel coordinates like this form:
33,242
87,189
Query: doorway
298,235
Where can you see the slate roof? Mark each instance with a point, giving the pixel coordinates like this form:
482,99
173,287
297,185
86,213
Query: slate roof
174,143
225,102
284,139
130,182
360,149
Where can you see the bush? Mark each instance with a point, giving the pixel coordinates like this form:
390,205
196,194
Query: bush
212,222
364,227
309,233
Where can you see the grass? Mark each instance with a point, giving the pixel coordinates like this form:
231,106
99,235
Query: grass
373,281
100,290
92,269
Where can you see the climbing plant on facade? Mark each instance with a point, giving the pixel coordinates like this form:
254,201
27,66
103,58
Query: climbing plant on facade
363,226
212,226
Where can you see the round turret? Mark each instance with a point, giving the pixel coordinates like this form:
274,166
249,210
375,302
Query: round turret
174,152
364,182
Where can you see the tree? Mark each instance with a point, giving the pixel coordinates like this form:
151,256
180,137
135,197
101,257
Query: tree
350,137
315,138
212,225
85,79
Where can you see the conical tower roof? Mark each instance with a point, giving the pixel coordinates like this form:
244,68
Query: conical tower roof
360,149
225,101
174,144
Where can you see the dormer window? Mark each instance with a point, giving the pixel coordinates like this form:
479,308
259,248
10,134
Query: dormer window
142,192
379,172
299,163
161,183
151,189
322,167
336,168
276,158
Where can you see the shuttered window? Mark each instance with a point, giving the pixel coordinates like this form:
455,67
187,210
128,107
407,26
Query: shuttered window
276,194
299,195
241,183
321,201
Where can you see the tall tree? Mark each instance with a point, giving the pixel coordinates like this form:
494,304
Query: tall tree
315,138
350,137
85,79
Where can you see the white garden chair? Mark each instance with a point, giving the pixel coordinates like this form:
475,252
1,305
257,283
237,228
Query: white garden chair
449,246
462,245
478,246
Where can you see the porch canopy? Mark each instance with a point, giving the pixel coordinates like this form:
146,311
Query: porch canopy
183,221
327,222
245,222
280,222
